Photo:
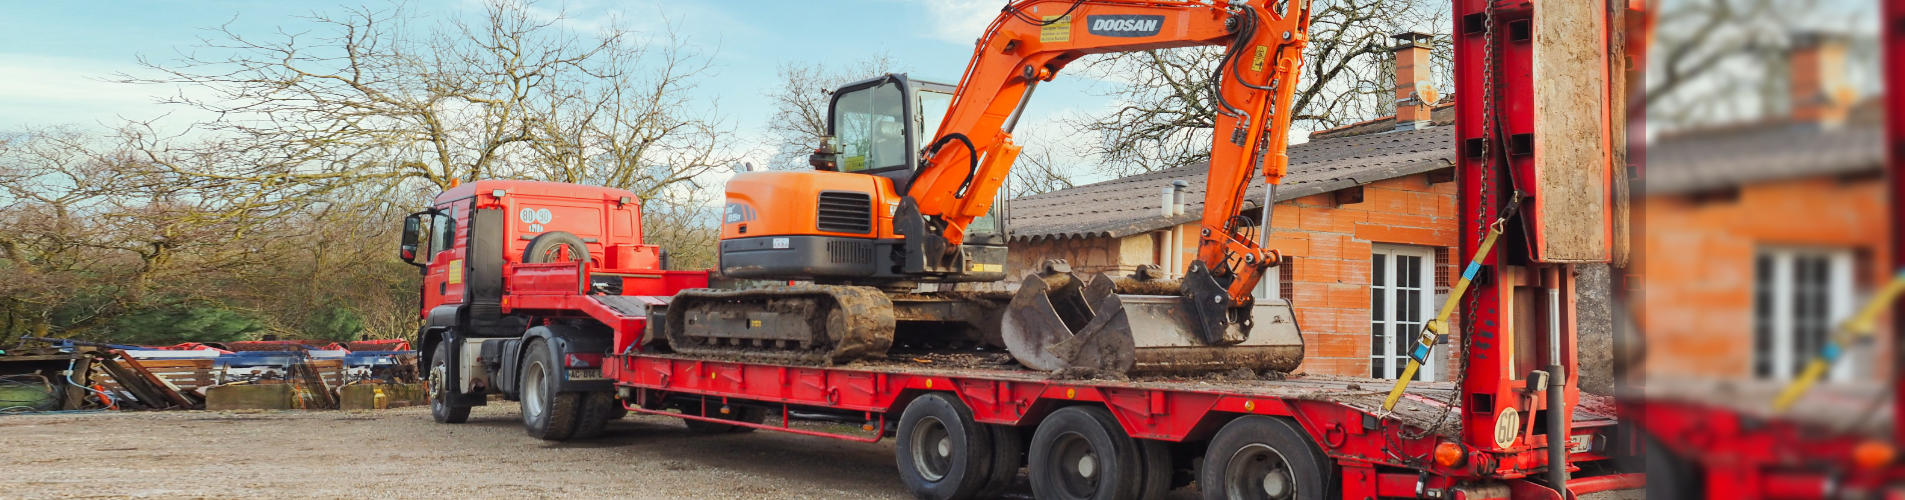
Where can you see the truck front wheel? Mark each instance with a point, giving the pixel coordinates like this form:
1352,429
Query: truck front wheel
443,405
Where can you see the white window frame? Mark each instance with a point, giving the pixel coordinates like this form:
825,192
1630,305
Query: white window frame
1784,356
1388,320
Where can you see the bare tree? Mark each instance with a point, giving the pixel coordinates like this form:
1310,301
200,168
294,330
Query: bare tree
799,118
373,97
1164,112
1714,61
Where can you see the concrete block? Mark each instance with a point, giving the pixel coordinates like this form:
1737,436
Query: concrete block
249,397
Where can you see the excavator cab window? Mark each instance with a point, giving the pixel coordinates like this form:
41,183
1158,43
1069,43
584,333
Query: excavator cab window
870,127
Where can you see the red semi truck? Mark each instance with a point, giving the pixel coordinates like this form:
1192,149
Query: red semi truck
544,293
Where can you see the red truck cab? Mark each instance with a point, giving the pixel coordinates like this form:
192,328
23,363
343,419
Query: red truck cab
523,282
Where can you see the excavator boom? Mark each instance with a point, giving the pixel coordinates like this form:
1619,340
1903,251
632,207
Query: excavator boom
1032,40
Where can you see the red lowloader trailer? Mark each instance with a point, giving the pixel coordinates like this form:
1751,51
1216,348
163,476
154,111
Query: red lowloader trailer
545,294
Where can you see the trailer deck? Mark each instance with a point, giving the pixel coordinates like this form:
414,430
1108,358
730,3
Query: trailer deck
1173,409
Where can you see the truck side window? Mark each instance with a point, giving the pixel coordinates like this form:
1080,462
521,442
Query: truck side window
443,233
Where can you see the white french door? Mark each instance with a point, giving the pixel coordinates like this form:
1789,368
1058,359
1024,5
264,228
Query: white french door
1401,292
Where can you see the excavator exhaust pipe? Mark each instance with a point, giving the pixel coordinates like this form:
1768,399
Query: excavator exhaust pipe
1061,322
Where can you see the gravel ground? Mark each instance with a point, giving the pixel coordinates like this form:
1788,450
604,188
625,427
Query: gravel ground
400,453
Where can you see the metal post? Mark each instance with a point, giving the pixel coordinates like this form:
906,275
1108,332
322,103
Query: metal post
1557,389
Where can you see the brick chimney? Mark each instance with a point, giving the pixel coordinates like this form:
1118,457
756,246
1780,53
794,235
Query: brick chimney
1414,96
1820,91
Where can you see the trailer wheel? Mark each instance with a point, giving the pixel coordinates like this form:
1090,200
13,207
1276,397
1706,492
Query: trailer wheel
1081,452
1008,456
1156,481
443,406
1260,457
941,451
547,414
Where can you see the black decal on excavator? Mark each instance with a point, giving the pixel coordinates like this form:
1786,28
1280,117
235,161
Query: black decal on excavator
1128,26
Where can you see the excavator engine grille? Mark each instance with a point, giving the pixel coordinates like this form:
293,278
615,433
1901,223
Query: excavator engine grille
845,212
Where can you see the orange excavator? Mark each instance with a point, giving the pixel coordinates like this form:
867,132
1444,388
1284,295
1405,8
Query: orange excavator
889,208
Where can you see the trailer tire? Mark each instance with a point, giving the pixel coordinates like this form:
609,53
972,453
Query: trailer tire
1156,480
1008,456
942,453
443,406
547,414
1258,456
1081,452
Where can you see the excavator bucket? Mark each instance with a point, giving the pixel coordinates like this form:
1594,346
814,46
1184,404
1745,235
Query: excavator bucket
1058,321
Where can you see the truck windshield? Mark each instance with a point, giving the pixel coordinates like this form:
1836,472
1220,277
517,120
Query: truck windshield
870,127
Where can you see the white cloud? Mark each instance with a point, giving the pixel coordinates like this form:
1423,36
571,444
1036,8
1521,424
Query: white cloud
52,90
960,21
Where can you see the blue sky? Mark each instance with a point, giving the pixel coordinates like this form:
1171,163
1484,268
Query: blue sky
56,55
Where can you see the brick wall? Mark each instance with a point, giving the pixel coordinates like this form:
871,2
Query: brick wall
1698,263
1330,247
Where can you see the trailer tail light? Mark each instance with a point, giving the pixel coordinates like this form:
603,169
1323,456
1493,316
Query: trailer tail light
582,360
1873,454
1449,454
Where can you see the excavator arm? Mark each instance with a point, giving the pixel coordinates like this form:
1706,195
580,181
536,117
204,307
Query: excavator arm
1032,40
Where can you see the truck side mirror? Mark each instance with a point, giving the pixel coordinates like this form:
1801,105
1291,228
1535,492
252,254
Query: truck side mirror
412,238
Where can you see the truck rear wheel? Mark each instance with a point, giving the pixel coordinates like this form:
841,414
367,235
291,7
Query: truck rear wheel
1080,452
443,406
1259,457
941,451
547,414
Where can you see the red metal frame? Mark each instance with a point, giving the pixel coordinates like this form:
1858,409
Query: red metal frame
1491,384
1893,33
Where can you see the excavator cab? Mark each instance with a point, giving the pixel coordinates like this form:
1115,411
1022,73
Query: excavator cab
835,223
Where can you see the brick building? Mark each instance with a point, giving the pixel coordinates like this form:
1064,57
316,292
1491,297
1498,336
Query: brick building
1762,236
1365,220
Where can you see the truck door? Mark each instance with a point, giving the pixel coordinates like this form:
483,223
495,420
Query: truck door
444,283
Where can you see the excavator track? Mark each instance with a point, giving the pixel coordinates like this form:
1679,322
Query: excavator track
804,324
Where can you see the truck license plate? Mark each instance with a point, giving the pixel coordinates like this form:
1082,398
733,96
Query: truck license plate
1581,443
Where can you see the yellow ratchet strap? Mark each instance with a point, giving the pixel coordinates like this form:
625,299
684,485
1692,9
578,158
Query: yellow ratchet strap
1852,329
1425,341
